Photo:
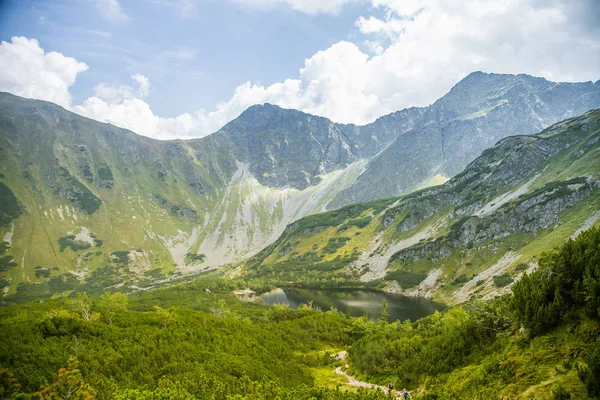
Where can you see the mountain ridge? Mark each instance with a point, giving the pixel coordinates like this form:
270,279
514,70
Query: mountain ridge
451,131
104,206
455,241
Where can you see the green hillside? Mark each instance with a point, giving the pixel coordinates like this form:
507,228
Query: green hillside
182,342
469,238
89,206
92,200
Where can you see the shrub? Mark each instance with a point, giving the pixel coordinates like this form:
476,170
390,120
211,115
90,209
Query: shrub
75,245
502,280
405,279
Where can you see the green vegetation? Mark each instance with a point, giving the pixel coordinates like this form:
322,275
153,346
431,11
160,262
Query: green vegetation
185,342
294,271
6,262
338,217
334,244
554,190
106,177
193,258
120,258
4,283
75,245
10,208
502,280
358,222
179,211
77,193
521,267
405,279
31,291
87,173
149,346
566,285
41,272
541,342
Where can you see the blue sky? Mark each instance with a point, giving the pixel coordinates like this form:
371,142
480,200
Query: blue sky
183,68
194,58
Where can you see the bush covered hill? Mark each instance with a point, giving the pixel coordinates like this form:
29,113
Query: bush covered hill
542,341
471,237
85,205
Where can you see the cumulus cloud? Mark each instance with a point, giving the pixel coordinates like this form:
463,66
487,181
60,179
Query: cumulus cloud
136,115
421,48
114,94
411,54
401,8
333,82
28,71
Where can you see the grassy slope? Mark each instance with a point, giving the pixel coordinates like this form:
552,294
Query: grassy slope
163,200
27,162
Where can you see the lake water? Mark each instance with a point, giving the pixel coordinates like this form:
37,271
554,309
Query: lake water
355,302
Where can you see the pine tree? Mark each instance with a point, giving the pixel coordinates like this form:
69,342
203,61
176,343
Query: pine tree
68,385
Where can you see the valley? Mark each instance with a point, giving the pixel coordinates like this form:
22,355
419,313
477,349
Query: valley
138,269
299,200
185,342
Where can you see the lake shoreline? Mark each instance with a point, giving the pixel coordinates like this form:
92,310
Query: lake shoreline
352,301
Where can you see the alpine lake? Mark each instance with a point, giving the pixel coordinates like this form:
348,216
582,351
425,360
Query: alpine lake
353,302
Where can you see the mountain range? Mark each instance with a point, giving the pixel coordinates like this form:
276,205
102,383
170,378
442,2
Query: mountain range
86,204
472,236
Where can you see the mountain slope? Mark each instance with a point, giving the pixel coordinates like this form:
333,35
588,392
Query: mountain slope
288,148
91,205
471,236
480,110
87,202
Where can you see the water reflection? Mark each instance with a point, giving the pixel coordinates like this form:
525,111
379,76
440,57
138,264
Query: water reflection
355,302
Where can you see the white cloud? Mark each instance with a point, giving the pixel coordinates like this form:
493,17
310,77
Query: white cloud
116,94
28,71
429,46
400,7
376,25
136,115
333,83
123,106
111,9
413,55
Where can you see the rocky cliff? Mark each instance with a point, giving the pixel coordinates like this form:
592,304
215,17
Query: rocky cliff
478,112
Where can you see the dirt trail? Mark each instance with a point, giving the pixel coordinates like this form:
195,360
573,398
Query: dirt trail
355,382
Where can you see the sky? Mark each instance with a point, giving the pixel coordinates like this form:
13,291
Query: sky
183,68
